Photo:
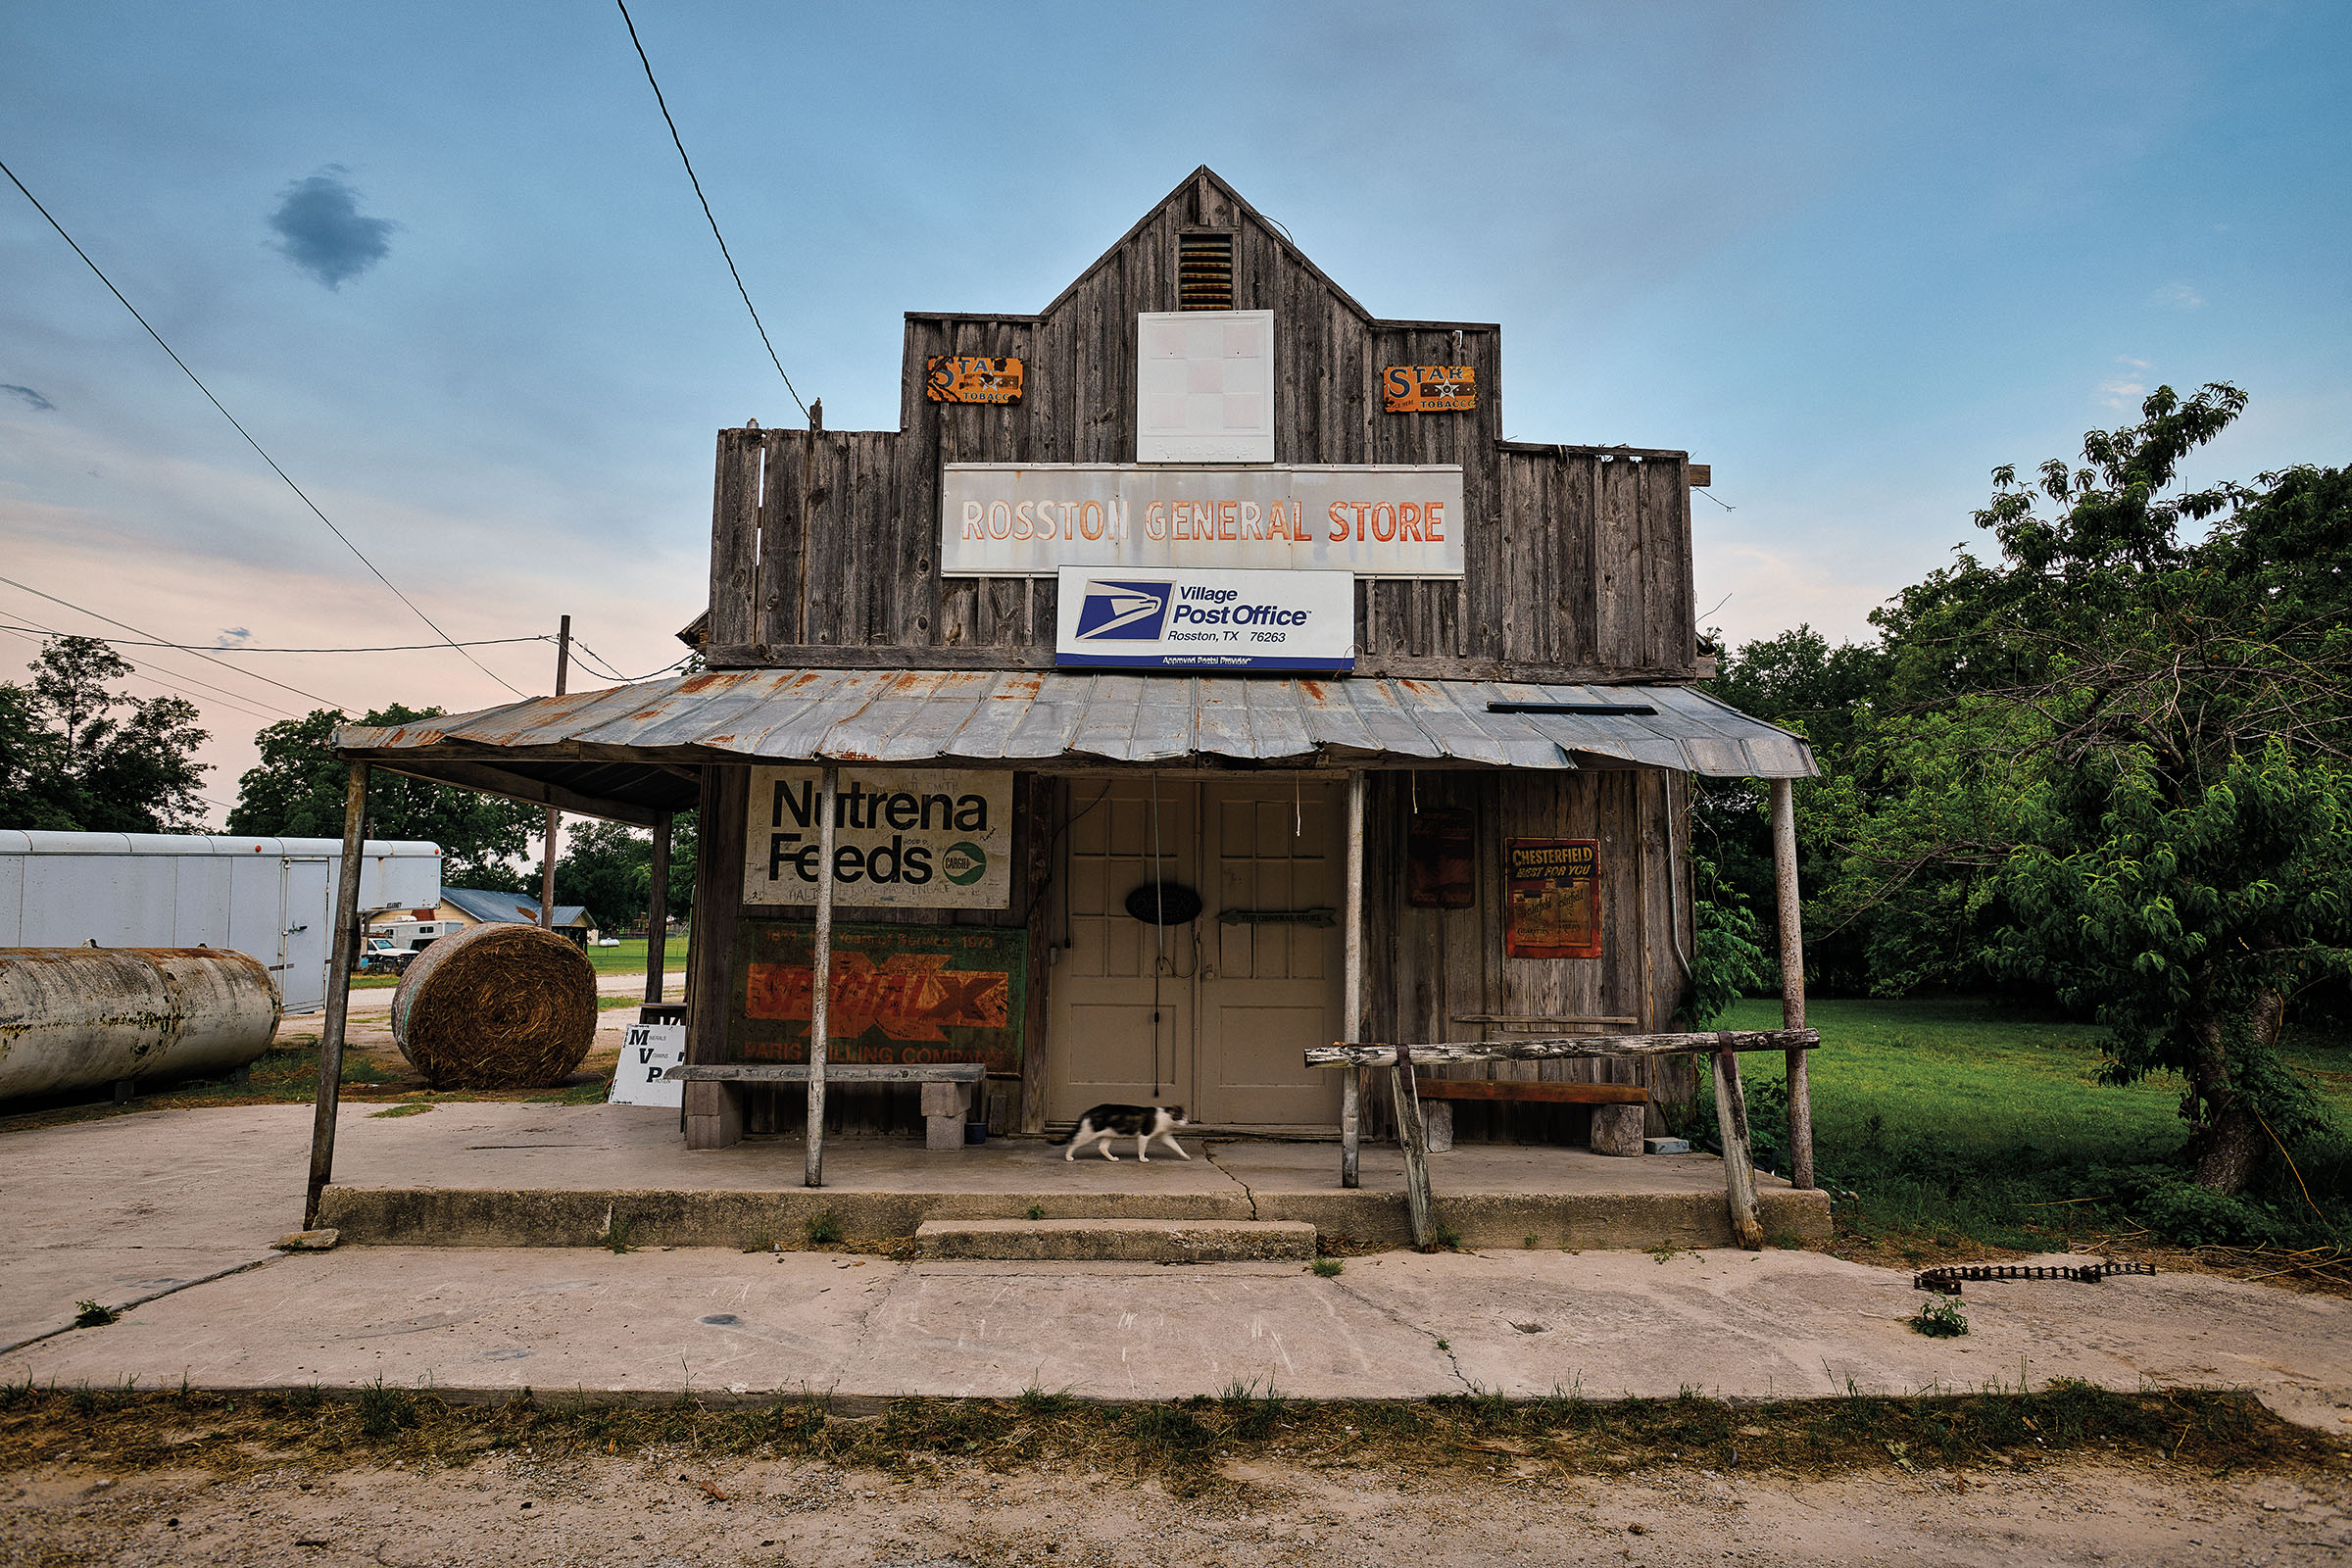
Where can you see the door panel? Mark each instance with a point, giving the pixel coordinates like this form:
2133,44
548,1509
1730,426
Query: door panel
1102,1038
1272,990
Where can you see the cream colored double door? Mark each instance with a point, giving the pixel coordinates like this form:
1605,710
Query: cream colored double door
1237,1002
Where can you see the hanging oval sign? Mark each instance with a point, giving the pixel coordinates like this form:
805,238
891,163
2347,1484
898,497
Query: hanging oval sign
1164,904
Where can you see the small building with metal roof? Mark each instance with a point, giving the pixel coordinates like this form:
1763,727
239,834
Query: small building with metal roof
1198,675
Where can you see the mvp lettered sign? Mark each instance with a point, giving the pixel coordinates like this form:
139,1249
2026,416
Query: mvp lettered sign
648,1051
903,837
1195,618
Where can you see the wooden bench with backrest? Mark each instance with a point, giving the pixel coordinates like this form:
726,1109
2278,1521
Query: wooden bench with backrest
947,1086
1618,1110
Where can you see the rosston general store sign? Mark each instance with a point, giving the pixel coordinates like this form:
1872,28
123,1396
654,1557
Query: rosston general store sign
1013,519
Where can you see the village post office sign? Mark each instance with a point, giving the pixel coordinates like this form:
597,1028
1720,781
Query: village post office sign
903,838
1030,519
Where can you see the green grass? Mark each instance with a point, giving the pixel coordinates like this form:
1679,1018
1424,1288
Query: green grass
1957,1121
1185,1444
629,956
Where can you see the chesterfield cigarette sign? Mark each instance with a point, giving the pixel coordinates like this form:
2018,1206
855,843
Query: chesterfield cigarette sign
1200,619
1007,520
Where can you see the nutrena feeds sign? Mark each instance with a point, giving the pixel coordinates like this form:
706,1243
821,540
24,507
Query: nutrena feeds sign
903,838
1008,519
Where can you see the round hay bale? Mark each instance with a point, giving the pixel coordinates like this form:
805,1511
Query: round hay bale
495,1006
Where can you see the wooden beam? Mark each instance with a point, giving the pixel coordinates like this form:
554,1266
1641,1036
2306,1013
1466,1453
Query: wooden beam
1572,1047
1351,985
656,914
484,779
1556,1093
836,1072
820,979
1703,474
1793,979
1395,666
1413,1140
344,934
1739,1164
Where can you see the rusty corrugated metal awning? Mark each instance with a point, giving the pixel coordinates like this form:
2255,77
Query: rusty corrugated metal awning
630,747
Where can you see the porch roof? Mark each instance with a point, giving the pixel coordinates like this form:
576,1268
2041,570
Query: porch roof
632,752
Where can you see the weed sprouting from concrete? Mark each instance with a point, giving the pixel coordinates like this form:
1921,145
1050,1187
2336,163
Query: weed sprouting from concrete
385,1411
1665,1253
1444,1238
417,1107
760,1242
90,1315
1328,1267
822,1230
617,1234
1037,1211
1527,1242
1938,1320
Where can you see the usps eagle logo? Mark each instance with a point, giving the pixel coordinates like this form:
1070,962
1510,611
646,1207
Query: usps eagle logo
1123,612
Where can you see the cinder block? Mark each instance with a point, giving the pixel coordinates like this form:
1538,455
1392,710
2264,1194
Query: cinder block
1617,1129
945,1099
943,1132
1437,1126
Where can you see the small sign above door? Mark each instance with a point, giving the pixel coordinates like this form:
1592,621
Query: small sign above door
971,378
1429,388
1198,617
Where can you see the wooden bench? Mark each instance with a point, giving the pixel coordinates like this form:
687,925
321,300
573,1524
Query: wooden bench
1617,1116
946,1093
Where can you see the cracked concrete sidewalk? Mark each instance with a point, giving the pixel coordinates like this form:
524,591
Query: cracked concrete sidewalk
124,1207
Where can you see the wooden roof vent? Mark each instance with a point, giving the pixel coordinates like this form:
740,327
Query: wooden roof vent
1205,272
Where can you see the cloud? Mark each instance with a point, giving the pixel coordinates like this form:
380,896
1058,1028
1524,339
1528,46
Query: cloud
2124,390
2180,296
38,403
231,636
322,230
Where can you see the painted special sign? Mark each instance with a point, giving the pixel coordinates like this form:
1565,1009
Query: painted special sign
1015,519
1552,904
1428,389
903,838
902,994
1187,617
971,378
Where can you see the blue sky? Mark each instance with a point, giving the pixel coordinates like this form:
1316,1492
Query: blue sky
442,261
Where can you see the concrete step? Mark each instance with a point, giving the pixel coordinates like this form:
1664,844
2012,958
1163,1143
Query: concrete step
1131,1241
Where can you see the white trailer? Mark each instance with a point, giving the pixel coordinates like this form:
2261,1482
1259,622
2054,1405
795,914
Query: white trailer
268,897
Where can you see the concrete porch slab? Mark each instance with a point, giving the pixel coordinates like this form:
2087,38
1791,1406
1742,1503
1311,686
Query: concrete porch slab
1123,1241
495,1174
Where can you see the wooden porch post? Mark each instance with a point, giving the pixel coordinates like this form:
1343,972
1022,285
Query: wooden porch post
656,914
1351,1000
344,935
1793,979
820,979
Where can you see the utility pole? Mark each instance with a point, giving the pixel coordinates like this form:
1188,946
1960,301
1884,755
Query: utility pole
554,819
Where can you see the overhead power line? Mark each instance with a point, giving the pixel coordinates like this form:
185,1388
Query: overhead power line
224,700
248,435
591,656
246,674
705,201
251,648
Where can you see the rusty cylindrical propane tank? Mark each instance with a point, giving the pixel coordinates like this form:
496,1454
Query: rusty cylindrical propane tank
86,1017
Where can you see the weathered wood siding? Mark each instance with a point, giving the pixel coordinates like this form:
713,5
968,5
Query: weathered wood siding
859,1108
1442,968
1578,557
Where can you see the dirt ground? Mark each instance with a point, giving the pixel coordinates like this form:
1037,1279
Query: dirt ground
662,1508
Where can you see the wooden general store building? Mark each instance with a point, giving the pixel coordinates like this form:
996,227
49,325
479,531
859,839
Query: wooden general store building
1494,729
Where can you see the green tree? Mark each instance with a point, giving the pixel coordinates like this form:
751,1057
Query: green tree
609,868
2117,763
76,755
296,790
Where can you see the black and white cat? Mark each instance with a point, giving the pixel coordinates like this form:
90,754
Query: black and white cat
1142,1123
